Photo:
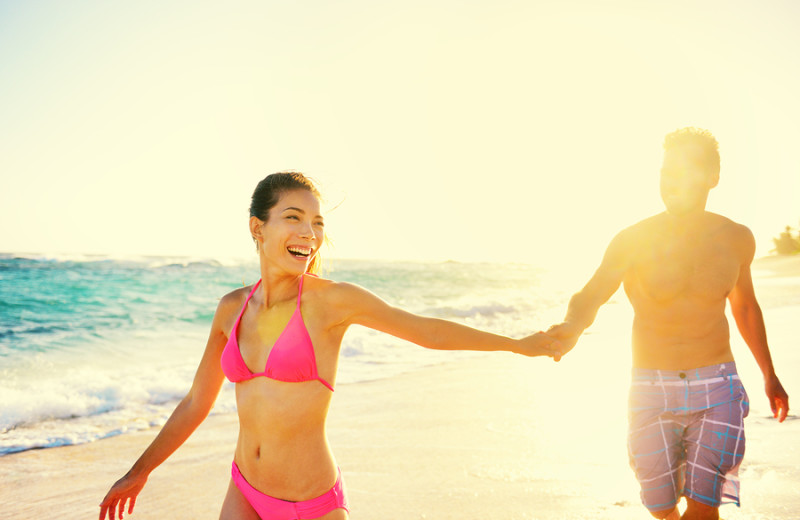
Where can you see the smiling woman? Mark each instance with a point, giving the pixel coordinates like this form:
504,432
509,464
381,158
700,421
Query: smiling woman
298,186
279,341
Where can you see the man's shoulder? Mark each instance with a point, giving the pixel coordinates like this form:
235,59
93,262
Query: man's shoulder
717,222
631,239
736,236
645,225
736,230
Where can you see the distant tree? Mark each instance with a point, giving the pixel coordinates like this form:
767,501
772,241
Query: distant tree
786,243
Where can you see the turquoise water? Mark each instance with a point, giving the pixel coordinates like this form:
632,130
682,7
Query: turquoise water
95,346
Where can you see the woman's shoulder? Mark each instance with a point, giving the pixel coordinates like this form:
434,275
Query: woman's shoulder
336,303
232,302
331,290
318,283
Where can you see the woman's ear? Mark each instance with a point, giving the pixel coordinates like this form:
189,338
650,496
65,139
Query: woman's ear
256,229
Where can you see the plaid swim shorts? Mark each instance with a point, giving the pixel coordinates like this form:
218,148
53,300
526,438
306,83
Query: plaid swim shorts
686,434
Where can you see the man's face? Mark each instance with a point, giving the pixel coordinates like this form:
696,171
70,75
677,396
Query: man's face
686,179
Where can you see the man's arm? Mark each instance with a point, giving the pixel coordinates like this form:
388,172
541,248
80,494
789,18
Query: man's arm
750,321
584,304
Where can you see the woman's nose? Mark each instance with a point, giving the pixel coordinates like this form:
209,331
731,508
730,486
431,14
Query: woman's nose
307,231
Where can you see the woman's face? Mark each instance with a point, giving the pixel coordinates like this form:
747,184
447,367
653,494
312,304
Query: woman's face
294,232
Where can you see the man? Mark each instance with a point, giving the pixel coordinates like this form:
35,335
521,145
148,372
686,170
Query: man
687,404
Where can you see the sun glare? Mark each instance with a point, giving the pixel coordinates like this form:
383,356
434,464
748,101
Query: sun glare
503,132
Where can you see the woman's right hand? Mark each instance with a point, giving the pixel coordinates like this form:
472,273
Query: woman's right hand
124,490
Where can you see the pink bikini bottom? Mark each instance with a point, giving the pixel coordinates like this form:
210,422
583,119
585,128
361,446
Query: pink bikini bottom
269,508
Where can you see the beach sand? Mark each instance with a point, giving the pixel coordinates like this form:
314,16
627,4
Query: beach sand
450,441
493,436
778,265
468,439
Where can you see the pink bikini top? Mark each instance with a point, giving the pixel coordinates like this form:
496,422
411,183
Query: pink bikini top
291,358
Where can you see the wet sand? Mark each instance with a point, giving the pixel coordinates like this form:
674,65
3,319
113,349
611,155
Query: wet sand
451,441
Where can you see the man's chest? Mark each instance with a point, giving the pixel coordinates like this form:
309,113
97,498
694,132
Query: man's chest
699,269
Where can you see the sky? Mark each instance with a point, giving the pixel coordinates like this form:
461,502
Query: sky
518,131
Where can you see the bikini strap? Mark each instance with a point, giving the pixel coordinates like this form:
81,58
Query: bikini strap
252,291
300,289
247,300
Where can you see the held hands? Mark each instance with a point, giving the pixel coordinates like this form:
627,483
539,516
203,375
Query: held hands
539,344
126,488
557,341
565,335
778,398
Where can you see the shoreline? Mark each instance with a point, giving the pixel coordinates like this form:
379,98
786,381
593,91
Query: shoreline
777,265
493,435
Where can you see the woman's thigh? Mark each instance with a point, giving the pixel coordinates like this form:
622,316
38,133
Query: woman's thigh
236,507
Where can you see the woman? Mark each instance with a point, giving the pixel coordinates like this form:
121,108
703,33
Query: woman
279,341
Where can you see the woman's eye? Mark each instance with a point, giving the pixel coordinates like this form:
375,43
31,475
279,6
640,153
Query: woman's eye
292,217
320,224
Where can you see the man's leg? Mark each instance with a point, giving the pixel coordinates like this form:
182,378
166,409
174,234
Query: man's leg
656,451
698,511
715,444
667,514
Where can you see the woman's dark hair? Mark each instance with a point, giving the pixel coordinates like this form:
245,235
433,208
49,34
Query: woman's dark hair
269,191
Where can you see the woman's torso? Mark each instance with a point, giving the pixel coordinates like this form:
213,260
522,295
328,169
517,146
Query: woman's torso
282,448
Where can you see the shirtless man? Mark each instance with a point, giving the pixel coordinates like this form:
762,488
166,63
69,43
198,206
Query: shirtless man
687,404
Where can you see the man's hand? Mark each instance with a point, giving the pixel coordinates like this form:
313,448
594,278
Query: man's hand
539,344
778,398
567,335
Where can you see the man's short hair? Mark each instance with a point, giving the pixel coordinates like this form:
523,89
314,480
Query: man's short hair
700,137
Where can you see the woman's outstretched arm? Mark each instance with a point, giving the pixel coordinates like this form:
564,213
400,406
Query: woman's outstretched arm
361,307
188,415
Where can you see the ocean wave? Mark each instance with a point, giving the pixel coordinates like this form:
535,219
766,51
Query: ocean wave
186,263
59,395
55,257
59,413
148,261
488,310
34,330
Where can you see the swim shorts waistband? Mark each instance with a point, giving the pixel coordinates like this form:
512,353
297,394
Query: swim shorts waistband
709,374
